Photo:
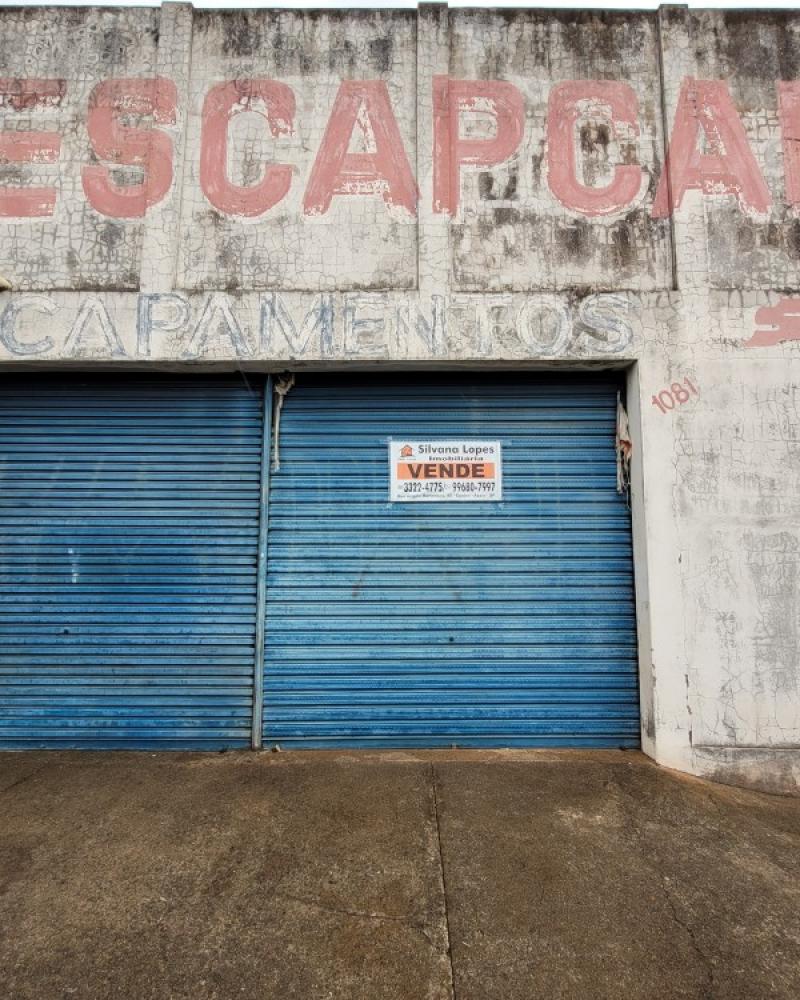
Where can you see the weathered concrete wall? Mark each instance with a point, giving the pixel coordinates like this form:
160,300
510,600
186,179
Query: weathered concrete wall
64,55
515,231
278,189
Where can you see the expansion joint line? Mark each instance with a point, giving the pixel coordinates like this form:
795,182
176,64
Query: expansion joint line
443,881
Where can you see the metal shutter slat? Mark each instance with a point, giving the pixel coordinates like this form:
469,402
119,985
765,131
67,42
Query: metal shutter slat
508,624
129,518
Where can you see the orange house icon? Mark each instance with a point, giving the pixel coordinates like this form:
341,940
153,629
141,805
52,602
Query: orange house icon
406,451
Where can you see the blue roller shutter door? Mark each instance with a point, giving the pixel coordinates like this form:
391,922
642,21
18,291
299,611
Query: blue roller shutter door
439,624
129,515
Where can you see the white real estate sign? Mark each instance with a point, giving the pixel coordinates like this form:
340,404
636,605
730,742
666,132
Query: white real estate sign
445,470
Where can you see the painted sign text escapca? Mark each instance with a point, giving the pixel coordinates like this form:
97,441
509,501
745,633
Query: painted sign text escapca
131,123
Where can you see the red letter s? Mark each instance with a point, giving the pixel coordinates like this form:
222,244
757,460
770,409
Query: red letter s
112,140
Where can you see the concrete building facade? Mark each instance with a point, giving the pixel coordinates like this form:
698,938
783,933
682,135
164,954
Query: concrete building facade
459,189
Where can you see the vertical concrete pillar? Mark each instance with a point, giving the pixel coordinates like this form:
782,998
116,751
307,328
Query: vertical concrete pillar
659,545
689,236
162,222
644,627
433,239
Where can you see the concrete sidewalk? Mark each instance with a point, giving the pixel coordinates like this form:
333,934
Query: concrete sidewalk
405,876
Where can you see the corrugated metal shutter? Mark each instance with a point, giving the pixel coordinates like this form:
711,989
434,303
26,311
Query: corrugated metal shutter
438,624
129,513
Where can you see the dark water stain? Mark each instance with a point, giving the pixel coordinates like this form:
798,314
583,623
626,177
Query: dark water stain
624,249
239,37
380,53
595,138
793,239
575,240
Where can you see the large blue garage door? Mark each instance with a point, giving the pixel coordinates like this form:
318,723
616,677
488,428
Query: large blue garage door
505,623
129,516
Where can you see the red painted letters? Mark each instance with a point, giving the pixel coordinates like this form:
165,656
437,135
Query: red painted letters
450,151
709,150
29,147
568,104
109,104
385,170
781,322
221,103
789,113
729,167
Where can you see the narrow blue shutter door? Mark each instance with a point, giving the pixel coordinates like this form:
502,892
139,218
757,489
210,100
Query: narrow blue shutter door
128,545
439,624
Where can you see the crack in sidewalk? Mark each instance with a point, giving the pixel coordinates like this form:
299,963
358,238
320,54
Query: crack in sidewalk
443,883
344,911
633,824
708,990
417,924
23,779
